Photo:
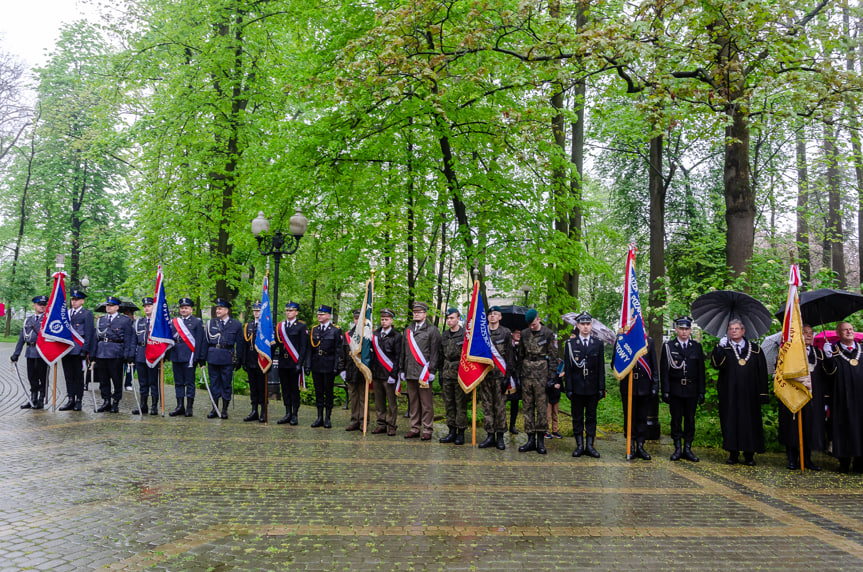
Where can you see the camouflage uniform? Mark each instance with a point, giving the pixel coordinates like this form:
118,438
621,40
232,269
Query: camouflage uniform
492,390
537,354
454,397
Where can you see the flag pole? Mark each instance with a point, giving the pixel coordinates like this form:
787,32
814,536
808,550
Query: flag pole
366,404
54,392
800,433
473,419
267,373
629,418
162,384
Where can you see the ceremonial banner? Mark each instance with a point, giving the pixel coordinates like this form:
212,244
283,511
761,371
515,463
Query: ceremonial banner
264,339
159,338
56,336
631,337
361,343
478,354
791,379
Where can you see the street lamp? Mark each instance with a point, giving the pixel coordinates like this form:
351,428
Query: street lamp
278,244
85,282
526,290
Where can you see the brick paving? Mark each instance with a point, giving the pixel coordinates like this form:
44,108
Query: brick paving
82,491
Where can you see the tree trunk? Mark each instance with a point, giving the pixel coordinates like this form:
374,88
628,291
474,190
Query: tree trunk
739,199
853,132
802,206
410,237
577,159
657,189
22,212
834,235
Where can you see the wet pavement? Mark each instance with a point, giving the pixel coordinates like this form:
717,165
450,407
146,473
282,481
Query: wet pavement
82,491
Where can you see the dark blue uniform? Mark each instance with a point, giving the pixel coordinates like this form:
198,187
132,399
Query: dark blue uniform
37,369
289,368
322,359
75,362
645,386
223,338
184,359
115,346
248,358
148,377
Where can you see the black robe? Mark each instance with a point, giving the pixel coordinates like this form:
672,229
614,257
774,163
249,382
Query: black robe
741,390
847,407
814,416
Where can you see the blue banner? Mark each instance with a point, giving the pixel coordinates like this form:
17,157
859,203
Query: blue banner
265,337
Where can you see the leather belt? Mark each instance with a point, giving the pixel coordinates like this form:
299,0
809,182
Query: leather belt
221,346
325,353
536,359
31,344
141,345
685,380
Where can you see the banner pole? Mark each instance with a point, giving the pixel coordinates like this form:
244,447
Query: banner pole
800,433
473,420
366,409
629,418
54,391
162,384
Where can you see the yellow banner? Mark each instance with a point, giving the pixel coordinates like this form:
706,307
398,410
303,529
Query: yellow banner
791,381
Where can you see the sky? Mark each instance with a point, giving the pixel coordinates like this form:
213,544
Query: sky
29,28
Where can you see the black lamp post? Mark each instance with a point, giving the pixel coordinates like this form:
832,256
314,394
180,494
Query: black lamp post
526,290
278,245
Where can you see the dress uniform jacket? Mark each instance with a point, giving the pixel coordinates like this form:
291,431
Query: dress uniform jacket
451,346
29,333
391,345
115,338
298,334
180,352
428,340
682,370
584,367
325,346
247,354
82,322
142,331
224,339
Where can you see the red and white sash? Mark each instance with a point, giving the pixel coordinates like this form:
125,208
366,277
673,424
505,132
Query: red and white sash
292,351
382,357
186,336
418,355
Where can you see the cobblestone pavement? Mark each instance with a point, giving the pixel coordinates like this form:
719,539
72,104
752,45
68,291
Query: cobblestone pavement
83,491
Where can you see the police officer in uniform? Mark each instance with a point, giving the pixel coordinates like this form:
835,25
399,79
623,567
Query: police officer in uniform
584,371
492,390
249,359
454,397
322,360
681,367
292,337
537,354
115,347
74,362
224,338
354,379
387,345
190,349
645,385
148,377
37,369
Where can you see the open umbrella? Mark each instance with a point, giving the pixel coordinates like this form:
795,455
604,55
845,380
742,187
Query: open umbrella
512,317
128,306
713,311
826,305
598,329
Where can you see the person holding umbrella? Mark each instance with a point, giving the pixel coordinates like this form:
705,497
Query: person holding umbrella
742,388
847,409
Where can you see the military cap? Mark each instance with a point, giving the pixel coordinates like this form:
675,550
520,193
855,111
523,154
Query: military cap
584,318
356,312
323,309
683,322
185,302
388,312
292,306
451,311
147,301
77,294
256,305
531,315
112,301
495,309
40,300
420,306
222,303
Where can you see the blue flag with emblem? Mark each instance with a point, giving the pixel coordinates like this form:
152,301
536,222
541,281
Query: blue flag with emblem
631,343
159,338
265,337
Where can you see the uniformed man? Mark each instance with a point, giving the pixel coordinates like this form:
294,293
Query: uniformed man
115,348
814,422
293,341
645,386
742,388
224,337
454,397
537,354
354,380
75,362
513,392
37,368
322,360
387,345
248,356
148,377
190,349
584,371
681,370
420,358
847,407
492,389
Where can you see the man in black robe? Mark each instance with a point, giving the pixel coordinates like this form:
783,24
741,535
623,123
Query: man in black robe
847,407
812,414
742,388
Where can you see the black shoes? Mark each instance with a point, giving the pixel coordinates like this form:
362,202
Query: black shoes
284,420
540,442
327,423
530,445
225,403
449,437
579,446
640,452
253,416
500,444
675,456
70,403
319,422
459,437
589,449
179,409
688,454
190,401
489,441
105,407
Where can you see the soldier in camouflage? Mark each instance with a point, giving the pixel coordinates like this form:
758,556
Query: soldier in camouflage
454,397
492,390
537,354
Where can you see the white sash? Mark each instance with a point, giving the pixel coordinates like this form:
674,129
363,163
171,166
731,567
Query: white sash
418,355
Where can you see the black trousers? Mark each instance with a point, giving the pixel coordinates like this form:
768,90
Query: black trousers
110,372
148,379
257,385
584,414
73,371
324,383
683,410
640,409
37,375
289,379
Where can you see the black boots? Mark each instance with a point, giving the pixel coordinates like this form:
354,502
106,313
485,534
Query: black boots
640,452
500,444
190,401
143,408
450,437
115,406
106,406
540,442
78,405
688,454
327,423
579,446
675,456
285,419
180,409
27,405
294,411
513,414
489,441
225,403
320,420
530,445
253,416
155,409
70,403
733,457
459,437
213,414
589,449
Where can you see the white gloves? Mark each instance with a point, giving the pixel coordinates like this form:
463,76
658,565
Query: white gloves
828,349
431,377
391,380
344,375
402,376
723,342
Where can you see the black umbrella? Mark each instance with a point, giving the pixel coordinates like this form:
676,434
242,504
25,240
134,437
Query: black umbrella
713,311
825,305
513,317
128,307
